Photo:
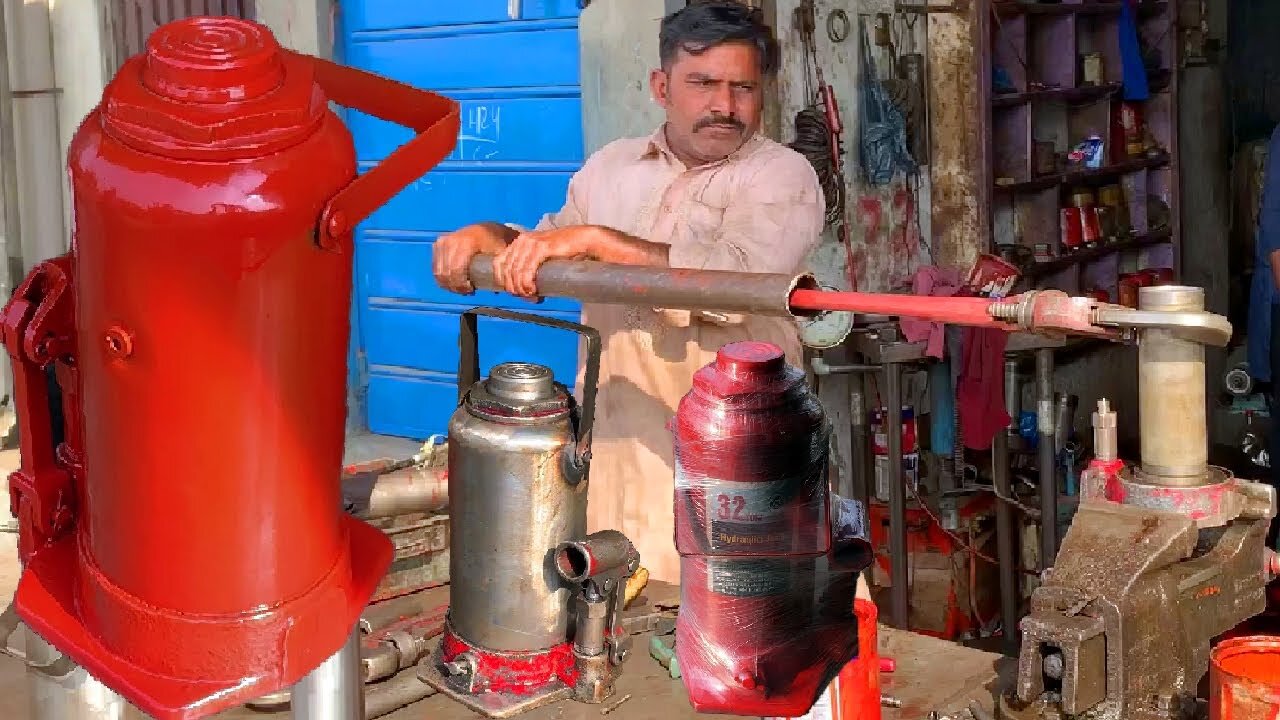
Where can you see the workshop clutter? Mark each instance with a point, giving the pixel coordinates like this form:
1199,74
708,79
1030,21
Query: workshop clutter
182,533
769,558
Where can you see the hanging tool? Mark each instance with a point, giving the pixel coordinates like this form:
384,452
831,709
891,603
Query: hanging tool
823,118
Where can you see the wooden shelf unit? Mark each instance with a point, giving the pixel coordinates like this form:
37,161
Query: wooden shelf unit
1038,48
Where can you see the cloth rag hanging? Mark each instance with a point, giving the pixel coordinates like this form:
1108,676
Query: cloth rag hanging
1134,70
882,130
938,282
980,388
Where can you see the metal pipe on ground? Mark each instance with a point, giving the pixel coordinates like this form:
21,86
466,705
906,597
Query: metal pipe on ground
407,491
390,695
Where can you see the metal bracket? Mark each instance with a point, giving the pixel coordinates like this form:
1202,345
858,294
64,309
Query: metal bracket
436,119
37,328
469,365
1202,327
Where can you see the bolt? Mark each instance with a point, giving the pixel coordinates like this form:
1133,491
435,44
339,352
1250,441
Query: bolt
1054,665
457,667
337,223
119,343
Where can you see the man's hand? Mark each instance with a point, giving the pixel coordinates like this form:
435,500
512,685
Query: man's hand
451,256
516,267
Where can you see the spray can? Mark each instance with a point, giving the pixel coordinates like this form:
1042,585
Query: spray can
910,451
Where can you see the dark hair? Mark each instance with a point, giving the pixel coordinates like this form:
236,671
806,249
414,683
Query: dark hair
704,24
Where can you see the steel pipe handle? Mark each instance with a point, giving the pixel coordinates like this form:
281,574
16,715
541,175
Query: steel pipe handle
675,288
469,366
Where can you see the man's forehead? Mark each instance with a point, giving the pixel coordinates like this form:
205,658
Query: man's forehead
726,61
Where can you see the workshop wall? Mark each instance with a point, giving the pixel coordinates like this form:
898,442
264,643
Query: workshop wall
887,226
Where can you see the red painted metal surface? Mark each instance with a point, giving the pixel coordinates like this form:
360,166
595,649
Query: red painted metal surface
185,543
1244,679
518,673
766,612
1106,480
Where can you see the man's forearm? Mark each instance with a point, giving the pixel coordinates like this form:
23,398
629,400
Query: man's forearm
613,246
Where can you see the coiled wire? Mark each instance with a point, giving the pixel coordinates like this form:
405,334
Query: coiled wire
813,140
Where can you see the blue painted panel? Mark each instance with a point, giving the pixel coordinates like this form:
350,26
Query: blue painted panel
531,58
393,269
393,14
541,129
425,338
445,200
407,406
517,82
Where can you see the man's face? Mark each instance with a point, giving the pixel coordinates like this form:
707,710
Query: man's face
713,101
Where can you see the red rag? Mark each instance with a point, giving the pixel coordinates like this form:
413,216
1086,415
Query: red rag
980,388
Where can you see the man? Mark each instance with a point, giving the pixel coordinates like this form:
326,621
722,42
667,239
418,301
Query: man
705,191
1264,306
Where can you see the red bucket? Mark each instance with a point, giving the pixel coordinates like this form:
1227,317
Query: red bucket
1244,679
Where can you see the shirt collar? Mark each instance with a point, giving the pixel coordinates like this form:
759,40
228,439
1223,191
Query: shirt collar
657,147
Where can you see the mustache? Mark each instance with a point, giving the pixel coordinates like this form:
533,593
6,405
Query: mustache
719,121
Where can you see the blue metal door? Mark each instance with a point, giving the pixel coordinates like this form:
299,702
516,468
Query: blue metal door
521,140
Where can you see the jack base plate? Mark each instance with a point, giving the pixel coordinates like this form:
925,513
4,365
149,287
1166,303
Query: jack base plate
498,705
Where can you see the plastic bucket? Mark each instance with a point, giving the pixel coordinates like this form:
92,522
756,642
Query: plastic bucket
1244,679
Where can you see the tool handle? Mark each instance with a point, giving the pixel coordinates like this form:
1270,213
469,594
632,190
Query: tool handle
469,364
436,119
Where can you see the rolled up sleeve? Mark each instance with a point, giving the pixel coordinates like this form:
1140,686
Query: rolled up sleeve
771,226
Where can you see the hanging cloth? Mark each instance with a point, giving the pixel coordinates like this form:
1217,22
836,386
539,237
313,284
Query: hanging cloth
882,131
1135,71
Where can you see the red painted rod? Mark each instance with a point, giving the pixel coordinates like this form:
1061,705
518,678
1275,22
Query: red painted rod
970,311
733,292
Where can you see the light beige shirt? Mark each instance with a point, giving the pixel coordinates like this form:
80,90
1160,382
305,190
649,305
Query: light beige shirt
759,210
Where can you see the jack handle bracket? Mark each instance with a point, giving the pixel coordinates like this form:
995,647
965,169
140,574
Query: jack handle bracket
37,328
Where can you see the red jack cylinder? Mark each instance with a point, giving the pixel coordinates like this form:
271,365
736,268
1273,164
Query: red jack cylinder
184,539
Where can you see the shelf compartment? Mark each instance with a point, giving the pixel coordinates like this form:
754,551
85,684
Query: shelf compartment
1092,176
1079,257
1052,41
